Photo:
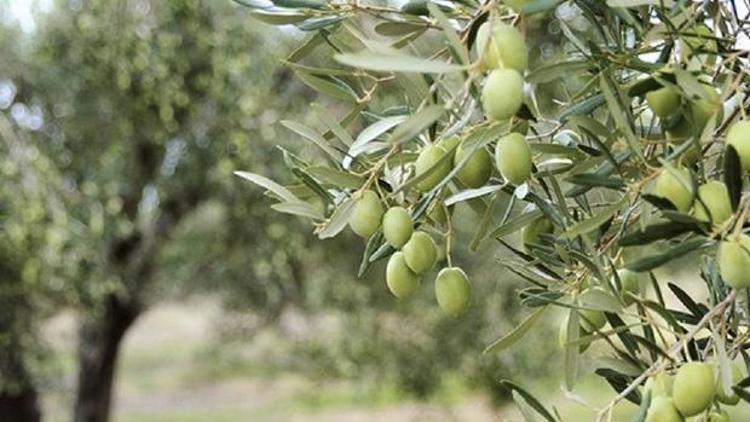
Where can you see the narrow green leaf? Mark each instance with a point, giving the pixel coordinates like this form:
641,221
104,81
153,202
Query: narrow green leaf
300,208
268,184
516,334
454,42
530,399
655,261
312,136
416,123
585,226
338,220
395,62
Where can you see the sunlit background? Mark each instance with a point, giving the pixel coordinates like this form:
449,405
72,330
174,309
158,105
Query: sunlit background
121,123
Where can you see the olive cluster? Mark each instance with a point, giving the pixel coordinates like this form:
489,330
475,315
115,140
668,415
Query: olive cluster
503,54
418,254
689,392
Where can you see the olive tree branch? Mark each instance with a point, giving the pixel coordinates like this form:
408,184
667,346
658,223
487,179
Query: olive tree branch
662,363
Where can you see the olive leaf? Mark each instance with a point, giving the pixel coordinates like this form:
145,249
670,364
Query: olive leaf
733,175
268,184
516,334
339,219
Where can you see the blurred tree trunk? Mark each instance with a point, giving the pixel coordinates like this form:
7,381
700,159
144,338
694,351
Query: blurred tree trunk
20,406
99,344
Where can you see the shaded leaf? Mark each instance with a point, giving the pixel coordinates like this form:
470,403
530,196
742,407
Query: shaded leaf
516,334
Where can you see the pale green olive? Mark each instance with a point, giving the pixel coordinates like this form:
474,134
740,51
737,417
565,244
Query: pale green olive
513,158
731,398
664,102
675,185
397,226
705,107
428,158
366,215
530,233
477,170
592,320
502,46
733,259
630,282
453,291
401,281
713,203
660,385
662,409
738,137
694,388
420,252
502,94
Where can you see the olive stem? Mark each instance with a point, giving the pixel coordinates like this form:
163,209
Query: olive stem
448,236
662,363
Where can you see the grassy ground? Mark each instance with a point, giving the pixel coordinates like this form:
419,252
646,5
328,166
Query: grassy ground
167,374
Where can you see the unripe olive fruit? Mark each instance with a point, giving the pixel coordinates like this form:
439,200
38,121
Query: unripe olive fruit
592,320
502,94
366,215
738,136
660,385
503,47
420,252
630,282
676,186
662,409
704,108
713,203
694,388
731,398
448,143
453,291
530,233
700,38
664,102
478,168
427,158
401,281
513,158
733,259
397,226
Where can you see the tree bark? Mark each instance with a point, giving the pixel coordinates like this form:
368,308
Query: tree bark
20,406
99,344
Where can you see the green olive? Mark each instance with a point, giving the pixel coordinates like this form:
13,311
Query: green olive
694,388
700,38
662,409
630,282
592,320
513,158
428,158
397,226
731,398
713,203
366,215
401,281
675,185
530,233
738,137
502,94
733,259
660,385
502,46
448,143
706,107
420,252
453,291
477,170
664,102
